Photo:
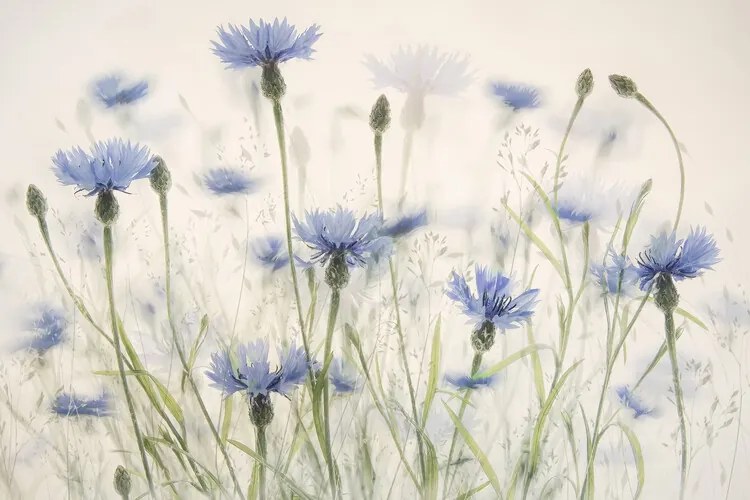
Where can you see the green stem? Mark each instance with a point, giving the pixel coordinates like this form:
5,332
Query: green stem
328,358
181,352
476,362
260,436
642,99
558,165
118,355
669,331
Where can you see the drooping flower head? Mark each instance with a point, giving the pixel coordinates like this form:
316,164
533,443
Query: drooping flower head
49,329
111,91
632,402
227,181
343,377
70,405
516,96
679,259
264,43
109,166
403,225
607,276
462,381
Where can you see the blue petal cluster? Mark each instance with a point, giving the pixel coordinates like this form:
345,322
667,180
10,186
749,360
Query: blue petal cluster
631,402
49,330
111,91
110,165
574,215
224,181
493,302
468,382
607,276
338,231
253,371
270,252
69,405
263,44
681,259
516,97
343,378
401,226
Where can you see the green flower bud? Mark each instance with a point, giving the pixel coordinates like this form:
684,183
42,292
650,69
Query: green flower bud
161,178
585,83
272,83
36,202
107,208
624,86
337,272
666,298
380,116
483,338
261,410
122,481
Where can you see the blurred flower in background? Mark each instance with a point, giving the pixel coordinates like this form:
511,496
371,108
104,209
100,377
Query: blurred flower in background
69,405
343,377
48,328
111,91
608,276
229,181
516,96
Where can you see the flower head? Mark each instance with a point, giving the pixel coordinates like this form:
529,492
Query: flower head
460,381
588,199
263,44
49,329
607,277
493,302
680,259
294,368
343,377
109,166
421,70
111,91
403,225
631,402
270,252
69,405
338,233
516,96
225,181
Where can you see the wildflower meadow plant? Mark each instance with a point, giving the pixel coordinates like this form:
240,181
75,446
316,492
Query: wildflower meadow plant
111,91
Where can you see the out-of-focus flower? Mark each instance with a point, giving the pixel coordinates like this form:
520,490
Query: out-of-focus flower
70,405
49,329
631,402
516,96
460,381
607,277
403,225
343,377
270,252
228,181
111,91
581,199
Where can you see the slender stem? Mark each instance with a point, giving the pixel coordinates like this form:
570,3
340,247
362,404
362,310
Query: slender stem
378,143
476,362
181,352
558,165
260,436
328,353
118,355
405,162
737,435
642,99
669,331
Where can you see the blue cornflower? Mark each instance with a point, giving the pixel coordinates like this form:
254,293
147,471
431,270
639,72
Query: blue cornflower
264,44
516,96
680,259
111,91
270,252
401,226
49,330
631,402
343,377
338,233
294,369
469,382
573,214
493,303
223,181
607,276
69,405
110,165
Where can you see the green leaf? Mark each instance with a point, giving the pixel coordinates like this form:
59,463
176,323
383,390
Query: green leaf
226,421
468,494
635,446
476,451
536,365
169,401
202,332
432,380
635,212
531,235
502,365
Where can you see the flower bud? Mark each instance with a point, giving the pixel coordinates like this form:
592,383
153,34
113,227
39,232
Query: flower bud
337,272
261,410
483,338
36,202
380,116
272,83
624,86
161,178
107,208
666,297
585,83
122,481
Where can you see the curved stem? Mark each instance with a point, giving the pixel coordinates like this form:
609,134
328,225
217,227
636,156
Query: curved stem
118,355
260,436
328,358
181,352
642,99
669,331
558,163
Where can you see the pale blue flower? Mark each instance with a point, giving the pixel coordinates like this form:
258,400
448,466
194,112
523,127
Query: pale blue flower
263,44
516,96
493,302
631,402
226,181
337,232
681,259
403,225
343,377
573,214
270,252
607,276
468,382
70,405
294,369
111,91
110,165
49,329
